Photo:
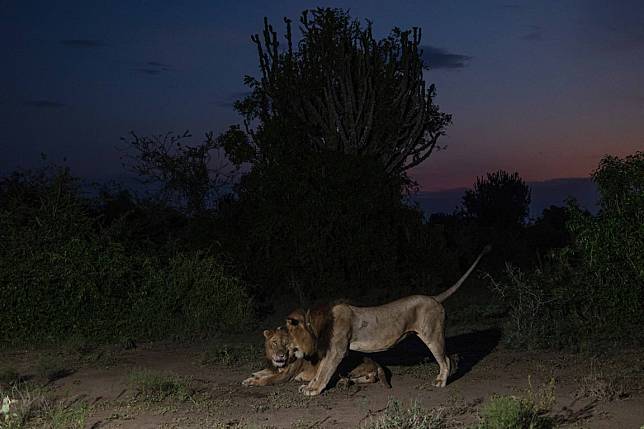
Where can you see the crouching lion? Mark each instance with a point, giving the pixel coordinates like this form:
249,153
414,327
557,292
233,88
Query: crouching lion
283,366
329,332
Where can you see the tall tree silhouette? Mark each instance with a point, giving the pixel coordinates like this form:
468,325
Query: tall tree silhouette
500,200
185,173
339,89
331,127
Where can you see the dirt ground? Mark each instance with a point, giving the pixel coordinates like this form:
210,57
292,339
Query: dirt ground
603,391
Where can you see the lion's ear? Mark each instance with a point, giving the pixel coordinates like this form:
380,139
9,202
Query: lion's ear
296,317
267,333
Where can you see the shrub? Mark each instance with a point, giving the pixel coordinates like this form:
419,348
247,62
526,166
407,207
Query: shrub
52,367
509,412
233,355
414,417
155,387
8,375
538,301
590,291
62,276
210,299
598,386
24,407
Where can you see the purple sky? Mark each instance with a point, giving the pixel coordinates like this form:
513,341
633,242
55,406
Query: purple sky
544,88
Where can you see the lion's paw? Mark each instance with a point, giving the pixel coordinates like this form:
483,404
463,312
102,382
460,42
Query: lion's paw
309,391
250,381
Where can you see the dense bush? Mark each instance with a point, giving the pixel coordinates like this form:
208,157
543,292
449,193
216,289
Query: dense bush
592,289
323,229
500,200
61,275
332,124
509,412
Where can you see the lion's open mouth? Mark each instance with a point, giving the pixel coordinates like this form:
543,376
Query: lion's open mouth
279,361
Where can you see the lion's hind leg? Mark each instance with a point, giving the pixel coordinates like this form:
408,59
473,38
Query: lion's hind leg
437,347
433,335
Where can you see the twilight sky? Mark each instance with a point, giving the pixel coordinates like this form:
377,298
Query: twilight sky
544,88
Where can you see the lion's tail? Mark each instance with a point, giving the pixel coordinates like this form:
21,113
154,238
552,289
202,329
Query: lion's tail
449,292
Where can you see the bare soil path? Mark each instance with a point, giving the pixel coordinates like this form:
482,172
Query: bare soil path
604,391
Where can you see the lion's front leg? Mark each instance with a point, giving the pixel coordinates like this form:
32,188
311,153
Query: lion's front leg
327,368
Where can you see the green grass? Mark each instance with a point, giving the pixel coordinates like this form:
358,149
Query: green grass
397,416
24,406
60,415
8,375
52,367
233,355
510,412
152,386
599,387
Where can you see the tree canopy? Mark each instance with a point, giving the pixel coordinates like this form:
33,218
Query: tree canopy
338,89
500,200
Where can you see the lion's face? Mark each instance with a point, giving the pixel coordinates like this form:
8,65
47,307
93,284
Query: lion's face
303,342
277,346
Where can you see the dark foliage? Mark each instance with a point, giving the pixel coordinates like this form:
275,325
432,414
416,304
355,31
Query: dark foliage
185,173
62,275
500,200
338,120
549,230
498,205
330,130
339,90
592,290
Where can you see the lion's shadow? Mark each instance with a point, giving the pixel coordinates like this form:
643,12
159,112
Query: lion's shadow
470,348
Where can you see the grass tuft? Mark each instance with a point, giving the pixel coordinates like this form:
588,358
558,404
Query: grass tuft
62,415
51,367
9,376
153,386
233,355
26,407
510,412
599,387
396,416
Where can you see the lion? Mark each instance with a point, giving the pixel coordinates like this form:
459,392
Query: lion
329,332
283,366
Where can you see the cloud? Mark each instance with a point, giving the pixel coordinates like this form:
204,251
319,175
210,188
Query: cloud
82,43
153,68
148,71
437,58
45,104
158,64
533,35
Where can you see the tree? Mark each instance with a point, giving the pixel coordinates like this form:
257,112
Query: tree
185,173
613,241
500,200
339,90
330,128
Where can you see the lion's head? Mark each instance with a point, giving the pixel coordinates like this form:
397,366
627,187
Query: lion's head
276,346
302,337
